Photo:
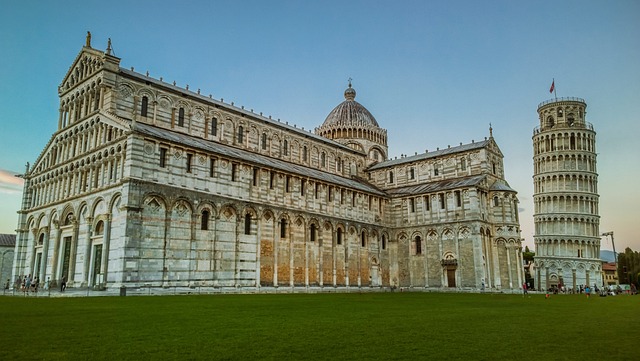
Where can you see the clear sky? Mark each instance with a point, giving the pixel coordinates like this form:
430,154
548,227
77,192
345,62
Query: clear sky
434,73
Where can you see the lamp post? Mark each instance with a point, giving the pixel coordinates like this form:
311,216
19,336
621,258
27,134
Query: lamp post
615,255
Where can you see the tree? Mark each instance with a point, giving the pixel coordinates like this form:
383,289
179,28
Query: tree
629,266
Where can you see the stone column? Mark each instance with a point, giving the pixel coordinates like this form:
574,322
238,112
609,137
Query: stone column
74,251
509,266
87,251
106,241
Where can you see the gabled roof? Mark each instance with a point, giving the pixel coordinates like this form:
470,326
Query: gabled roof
501,185
7,240
254,158
429,155
438,186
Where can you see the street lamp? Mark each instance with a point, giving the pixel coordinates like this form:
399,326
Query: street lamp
615,255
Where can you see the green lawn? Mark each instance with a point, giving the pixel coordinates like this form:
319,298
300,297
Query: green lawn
380,326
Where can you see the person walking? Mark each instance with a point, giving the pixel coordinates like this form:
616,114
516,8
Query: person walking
63,284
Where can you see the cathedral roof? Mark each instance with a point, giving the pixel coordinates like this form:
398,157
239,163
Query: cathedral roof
501,185
349,112
428,155
7,240
254,158
438,186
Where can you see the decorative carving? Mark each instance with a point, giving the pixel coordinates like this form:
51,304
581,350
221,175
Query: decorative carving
164,103
177,154
149,148
199,115
202,159
124,91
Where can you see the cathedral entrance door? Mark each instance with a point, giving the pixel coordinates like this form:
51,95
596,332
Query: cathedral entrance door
97,263
66,257
451,277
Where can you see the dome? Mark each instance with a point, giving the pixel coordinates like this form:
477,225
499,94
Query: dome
350,112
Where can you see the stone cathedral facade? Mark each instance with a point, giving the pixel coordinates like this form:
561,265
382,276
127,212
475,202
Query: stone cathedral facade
145,182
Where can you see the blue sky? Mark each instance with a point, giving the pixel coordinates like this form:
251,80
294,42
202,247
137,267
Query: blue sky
433,73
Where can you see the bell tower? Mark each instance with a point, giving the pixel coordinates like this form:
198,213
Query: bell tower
567,237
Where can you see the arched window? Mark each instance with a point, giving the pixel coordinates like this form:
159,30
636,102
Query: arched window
181,117
418,243
384,242
412,173
323,160
240,134
145,104
363,239
304,153
312,233
285,147
99,228
339,236
247,223
264,141
204,222
283,228
214,126
41,239
496,202
390,176
463,164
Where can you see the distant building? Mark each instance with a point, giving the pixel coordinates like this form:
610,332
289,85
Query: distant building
565,179
145,182
610,273
7,247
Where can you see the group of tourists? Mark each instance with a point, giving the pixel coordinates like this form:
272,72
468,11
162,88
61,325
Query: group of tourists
27,284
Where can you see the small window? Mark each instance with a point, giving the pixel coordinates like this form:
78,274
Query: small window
214,126
427,203
441,196
181,117
212,166
463,164
204,224
255,176
339,236
339,164
435,170
272,177
234,170
312,233
304,153
363,239
418,243
353,199
412,205
163,157
240,134
247,223
384,242
330,194
323,160
285,147
264,141
496,201
189,159
317,190
390,176
143,108
301,187
493,165
342,195
458,199
283,228
286,183
412,173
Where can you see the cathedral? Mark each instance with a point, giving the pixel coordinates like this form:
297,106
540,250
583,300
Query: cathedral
148,183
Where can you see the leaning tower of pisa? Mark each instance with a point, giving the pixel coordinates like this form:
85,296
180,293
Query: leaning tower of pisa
565,197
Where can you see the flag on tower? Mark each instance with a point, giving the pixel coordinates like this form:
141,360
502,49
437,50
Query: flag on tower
553,86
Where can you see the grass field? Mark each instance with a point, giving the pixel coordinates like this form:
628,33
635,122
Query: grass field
379,326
